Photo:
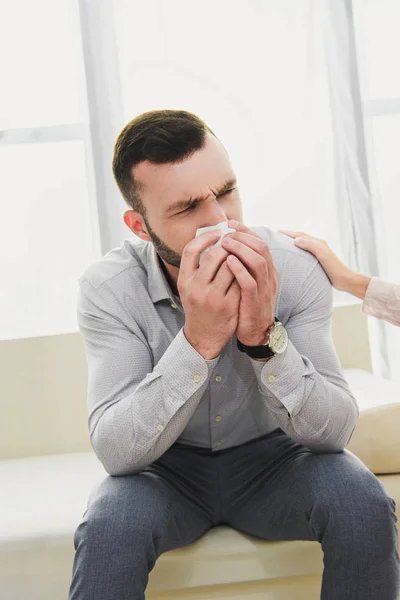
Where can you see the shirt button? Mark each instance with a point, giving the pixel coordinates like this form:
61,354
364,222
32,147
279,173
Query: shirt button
174,306
218,444
160,427
218,378
196,378
271,378
218,418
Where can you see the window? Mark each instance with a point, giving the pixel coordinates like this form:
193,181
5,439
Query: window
45,238
47,225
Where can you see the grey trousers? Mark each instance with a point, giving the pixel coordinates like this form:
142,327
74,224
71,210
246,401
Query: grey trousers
272,488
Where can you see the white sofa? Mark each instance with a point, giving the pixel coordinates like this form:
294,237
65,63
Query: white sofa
43,497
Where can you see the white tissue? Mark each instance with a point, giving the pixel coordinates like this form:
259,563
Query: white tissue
224,229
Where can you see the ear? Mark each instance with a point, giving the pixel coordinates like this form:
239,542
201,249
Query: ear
135,222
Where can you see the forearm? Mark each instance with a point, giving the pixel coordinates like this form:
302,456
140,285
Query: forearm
126,445
132,432
356,284
316,412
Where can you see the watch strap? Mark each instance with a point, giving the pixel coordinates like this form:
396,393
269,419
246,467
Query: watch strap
263,351
255,351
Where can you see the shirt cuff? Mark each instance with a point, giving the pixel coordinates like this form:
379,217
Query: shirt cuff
376,297
187,371
281,378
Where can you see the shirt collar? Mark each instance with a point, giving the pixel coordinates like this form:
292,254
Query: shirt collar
159,288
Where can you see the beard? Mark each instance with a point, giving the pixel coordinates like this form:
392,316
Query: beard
165,252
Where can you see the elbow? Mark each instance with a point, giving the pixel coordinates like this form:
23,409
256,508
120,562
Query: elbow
112,460
334,439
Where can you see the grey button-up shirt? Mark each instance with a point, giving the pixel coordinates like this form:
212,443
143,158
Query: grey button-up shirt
148,387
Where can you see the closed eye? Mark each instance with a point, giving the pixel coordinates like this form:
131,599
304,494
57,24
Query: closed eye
189,208
195,204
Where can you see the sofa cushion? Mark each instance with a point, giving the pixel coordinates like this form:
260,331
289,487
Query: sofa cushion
43,500
376,439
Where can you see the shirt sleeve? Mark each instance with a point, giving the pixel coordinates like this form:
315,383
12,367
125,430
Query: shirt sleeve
382,300
136,411
305,386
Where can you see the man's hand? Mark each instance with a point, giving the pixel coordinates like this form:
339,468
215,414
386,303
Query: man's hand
210,295
254,270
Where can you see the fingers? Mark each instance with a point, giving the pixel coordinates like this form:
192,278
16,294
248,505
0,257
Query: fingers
247,283
191,253
210,264
241,228
319,248
292,234
256,243
224,278
334,268
253,254
303,238
234,291
307,242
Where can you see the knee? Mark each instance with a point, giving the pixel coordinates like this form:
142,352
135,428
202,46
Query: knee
364,502
123,511
359,514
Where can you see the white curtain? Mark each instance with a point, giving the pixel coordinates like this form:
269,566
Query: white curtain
376,28
305,95
281,83
256,73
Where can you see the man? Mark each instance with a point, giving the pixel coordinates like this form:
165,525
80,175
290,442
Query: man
203,408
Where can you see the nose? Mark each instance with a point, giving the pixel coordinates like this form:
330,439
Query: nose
214,214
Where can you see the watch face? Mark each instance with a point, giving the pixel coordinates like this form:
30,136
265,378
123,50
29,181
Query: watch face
279,339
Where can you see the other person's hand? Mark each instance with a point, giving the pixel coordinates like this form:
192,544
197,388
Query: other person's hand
341,277
255,272
209,295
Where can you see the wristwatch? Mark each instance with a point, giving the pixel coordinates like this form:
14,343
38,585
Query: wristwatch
276,342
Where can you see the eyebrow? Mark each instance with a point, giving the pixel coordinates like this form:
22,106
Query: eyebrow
182,204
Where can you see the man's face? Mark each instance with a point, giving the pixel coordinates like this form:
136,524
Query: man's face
181,197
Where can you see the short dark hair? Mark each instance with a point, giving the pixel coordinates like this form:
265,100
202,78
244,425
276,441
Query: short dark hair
159,136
